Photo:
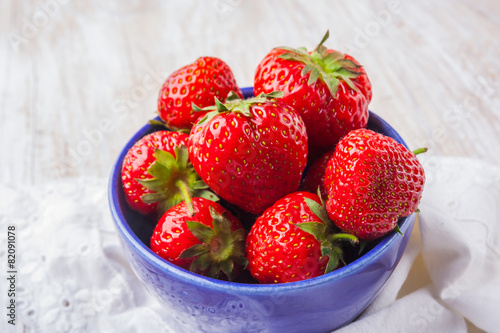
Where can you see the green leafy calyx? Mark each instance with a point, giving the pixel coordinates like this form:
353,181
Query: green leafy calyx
331,67
420,150
327,234
234,104
220,248
173,178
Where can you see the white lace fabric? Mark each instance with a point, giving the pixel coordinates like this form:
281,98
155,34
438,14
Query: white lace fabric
73,277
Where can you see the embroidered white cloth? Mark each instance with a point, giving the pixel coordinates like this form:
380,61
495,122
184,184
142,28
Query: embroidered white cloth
72,275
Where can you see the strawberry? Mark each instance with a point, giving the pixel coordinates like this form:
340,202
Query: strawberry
328,173
315,176
250,152
376,181
294,240
329,89
197,83
156,170
201,236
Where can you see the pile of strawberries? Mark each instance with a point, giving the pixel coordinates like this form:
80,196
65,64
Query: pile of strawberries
275,185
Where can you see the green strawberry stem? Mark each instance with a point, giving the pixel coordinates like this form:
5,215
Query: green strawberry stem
187,197
325,37
420,150
343,236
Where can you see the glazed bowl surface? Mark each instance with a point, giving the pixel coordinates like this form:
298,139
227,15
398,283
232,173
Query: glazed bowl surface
199,304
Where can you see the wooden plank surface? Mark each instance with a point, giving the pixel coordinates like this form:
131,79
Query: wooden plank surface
79,77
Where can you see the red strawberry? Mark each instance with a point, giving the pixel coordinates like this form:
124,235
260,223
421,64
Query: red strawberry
329,174
156,170
315,177
293,240
250,152
329,89
197,83
200,235
376,181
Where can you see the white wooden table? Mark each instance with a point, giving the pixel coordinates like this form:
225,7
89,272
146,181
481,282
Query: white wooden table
78,78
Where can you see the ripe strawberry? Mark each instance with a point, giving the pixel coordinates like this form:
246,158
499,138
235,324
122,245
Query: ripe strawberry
197,83
375,181
250,152
329,174
329,89
294,240
200,235
156,170
315,177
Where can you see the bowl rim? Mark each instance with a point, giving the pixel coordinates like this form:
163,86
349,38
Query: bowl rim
114,186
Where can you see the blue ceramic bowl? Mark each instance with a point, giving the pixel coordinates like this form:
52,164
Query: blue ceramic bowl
198,304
